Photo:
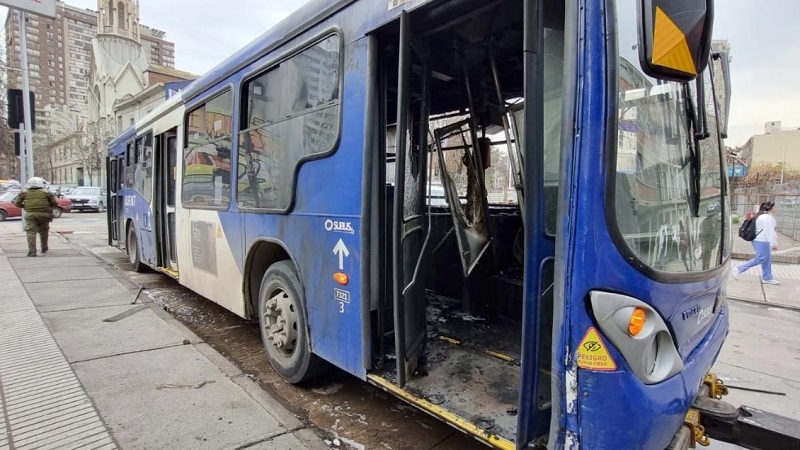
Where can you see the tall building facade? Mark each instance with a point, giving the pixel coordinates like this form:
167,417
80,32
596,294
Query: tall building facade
60,53
776,146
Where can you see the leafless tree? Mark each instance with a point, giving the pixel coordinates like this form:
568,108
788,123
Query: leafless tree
765,174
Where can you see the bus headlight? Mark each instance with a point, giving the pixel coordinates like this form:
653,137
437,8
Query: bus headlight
640,335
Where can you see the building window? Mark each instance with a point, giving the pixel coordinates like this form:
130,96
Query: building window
121,16
110,14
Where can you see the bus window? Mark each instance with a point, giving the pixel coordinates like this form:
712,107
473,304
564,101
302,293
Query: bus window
143,174
292,113
112,174
207,157
129,165
655,168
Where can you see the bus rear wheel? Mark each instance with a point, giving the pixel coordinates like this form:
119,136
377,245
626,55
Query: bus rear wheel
133,251
283,324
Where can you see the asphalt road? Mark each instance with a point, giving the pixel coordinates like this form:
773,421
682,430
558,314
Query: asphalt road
760,353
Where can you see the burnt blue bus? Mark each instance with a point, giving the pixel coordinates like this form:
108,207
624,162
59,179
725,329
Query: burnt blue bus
511,214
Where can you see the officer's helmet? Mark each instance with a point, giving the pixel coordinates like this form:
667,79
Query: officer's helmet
35,183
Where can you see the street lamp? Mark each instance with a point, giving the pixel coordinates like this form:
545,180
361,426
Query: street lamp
783,166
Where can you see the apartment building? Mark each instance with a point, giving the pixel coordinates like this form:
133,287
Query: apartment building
60,54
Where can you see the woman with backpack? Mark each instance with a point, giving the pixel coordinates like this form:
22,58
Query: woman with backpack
765,241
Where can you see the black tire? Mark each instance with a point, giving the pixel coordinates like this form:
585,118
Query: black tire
281,300
57,212
132,245
3,215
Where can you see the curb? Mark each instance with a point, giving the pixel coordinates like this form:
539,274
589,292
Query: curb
765,303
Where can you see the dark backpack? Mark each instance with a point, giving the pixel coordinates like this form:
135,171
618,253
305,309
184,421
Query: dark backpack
748,229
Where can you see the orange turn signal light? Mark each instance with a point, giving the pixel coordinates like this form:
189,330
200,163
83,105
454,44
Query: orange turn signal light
341,278
636,324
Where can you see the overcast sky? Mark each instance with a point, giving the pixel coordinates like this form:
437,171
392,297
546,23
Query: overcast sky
764,38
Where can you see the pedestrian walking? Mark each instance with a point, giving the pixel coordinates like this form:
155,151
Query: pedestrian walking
38,204
766,240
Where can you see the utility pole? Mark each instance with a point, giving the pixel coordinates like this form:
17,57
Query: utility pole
783,166
23,167
27,126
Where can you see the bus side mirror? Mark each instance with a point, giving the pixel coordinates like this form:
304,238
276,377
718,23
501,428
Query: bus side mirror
720,64
675,37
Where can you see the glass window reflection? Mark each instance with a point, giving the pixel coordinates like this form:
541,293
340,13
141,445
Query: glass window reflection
656,168
293,112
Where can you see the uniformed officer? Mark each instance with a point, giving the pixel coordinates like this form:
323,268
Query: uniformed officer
38,205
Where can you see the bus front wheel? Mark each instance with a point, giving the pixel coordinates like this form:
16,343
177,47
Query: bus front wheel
282,319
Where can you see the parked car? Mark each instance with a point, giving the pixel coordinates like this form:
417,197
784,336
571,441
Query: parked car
88,198
55,189
9,209
9,185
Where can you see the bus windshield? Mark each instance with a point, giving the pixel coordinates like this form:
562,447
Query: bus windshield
666,223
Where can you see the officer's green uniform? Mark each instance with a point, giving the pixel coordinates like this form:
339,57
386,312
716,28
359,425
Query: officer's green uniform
38,205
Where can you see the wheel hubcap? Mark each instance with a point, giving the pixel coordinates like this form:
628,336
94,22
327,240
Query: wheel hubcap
280,322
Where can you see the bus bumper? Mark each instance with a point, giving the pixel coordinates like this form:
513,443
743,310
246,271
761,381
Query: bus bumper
649,416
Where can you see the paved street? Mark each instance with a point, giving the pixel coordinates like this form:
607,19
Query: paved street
760,352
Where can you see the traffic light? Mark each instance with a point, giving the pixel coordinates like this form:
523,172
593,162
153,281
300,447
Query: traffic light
17,144
16,110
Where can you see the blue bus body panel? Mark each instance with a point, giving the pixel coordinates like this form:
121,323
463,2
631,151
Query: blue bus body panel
327,209
614,409
136,208
118,144
650,415
139,210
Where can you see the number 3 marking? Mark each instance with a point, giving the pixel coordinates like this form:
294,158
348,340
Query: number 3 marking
341,307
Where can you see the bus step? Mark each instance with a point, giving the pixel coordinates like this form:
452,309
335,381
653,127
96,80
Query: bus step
746,426
168,271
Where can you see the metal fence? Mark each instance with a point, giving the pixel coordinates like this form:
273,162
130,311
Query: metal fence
787,217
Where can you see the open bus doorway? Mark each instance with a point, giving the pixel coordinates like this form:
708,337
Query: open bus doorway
454,331
165,185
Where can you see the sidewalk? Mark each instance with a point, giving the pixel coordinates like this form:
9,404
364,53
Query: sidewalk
750,289
81,367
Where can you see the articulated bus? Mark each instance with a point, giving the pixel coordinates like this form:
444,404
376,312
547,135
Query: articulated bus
565,288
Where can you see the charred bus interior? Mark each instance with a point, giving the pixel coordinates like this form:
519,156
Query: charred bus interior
451,324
